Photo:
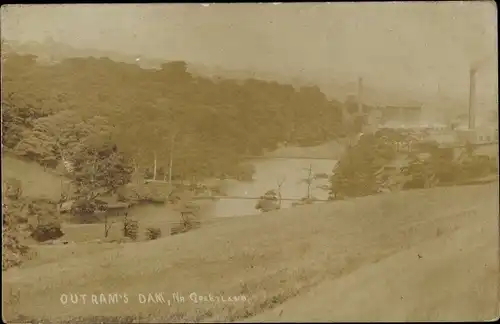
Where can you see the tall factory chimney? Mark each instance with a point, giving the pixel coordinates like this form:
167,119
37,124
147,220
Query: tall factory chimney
472,97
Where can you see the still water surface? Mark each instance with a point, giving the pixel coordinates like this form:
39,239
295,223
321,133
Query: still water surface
268,173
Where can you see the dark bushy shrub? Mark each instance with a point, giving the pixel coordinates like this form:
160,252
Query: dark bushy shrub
153,233
130,228
13,251
46,232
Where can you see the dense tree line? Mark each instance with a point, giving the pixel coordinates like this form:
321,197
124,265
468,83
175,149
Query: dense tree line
50,111
376,164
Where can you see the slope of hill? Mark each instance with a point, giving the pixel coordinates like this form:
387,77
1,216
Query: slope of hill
452,278
36,182
273,257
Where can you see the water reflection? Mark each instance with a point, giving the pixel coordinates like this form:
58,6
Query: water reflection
268,173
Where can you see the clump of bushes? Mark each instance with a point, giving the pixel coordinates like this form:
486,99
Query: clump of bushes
13,188
153,233
268,202
13,251
48,225
46,232
13,215
130,228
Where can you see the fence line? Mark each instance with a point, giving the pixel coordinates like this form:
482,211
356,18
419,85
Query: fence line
251,198
260,157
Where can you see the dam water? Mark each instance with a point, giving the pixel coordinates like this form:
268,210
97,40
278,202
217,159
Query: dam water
268,174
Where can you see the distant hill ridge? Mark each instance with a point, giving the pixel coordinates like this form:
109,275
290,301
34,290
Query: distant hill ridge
52,51
333,87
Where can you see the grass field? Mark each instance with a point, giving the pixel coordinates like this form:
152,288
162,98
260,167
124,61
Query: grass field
355,252
36,182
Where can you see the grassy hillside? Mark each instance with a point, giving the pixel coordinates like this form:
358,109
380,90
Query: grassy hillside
451,277
268,258
36,182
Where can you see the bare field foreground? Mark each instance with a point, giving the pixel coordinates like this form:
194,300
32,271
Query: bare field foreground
409,256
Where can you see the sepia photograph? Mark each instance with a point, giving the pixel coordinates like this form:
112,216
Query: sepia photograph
250,162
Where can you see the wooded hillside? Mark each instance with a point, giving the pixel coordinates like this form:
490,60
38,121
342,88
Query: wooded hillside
47,109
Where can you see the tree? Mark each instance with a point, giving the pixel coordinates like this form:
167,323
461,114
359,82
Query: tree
308,181
356,172
171,156
280,184
99,168
50,136
40,147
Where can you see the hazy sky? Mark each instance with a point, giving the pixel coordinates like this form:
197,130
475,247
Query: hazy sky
396,45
